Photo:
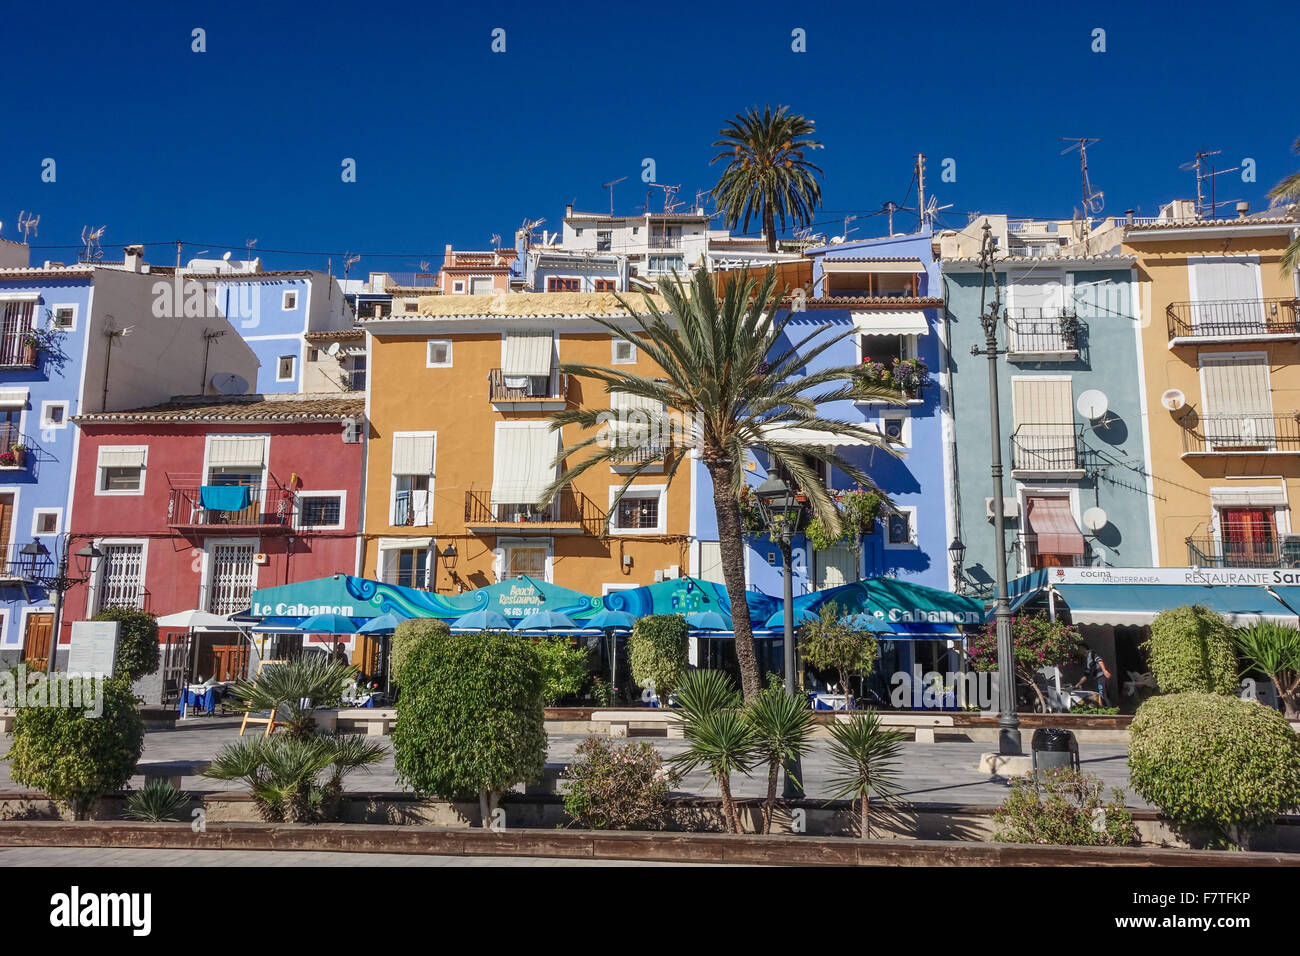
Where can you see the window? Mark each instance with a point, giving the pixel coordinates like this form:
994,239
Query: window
121,470
1052,537
321,510
458,287
895,428
45,522
16,322
439,354
284,369
54,414
885,348
410,306
290,301
121,577
64,317
313,355
233,576
1043,437
357,374
901,528
1248,536
413,469
624,352
657,265
563,284
640,510
409,567
530,561
837,565
1226,295
1238,401
604,240
605,285
480,285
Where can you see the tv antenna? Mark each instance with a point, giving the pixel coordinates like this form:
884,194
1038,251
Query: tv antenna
496,241
932,209
27,224
844,236
610,186
670,192
249,244
1197,164
1093,201
525,232
349,260
90,239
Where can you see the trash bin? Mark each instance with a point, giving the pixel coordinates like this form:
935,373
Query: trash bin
1054,747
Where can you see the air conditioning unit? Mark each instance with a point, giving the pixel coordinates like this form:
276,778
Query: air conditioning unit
1290,550
1010,509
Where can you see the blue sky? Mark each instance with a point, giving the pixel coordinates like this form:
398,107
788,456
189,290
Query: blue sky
454,142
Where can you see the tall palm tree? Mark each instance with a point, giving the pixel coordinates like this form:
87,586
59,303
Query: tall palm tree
766,173
731,381
1288,190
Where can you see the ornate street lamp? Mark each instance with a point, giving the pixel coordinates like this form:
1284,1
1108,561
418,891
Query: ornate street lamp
957,553
448,555
37,568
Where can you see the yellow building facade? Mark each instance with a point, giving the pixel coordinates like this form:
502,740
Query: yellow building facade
1221,362
460,396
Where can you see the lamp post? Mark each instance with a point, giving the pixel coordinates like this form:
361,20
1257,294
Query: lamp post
448,555
1008,723
35,568
957,553
783,514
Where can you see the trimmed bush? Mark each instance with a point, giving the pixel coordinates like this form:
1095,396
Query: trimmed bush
137,642
565,668
611,787
1064,809
71,753
658,653
469,720
832,644
405,638
1206,760
1191,649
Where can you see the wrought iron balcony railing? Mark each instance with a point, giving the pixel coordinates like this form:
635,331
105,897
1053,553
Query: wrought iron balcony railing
1243,551
17,350
1043,330
1232,318
1052,446
527,388
569,508
1242,434
189,507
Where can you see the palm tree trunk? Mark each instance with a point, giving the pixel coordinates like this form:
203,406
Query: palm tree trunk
769,227
731,543
773,769
866,817
728,805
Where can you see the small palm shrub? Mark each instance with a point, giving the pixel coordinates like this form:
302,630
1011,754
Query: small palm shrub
612,787
1214,762
718,735
1191,649
158,802
783,727
1274,649
293,690
1065,809
865,758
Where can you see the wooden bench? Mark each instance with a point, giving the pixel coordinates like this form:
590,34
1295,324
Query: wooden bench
922,724
375,721
622,721
7,715
172,770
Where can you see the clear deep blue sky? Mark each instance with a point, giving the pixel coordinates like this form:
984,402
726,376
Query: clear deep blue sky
454,143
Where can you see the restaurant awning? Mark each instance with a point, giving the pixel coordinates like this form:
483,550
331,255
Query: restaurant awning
812,436
1138,604
895,609
687,596
891,322
1053,524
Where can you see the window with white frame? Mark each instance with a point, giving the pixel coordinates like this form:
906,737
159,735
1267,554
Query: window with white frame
320,510
290,301
46,521
897,427
120,576
232,576
837,565
458,287
414,455
900,528
438,354
54,414
624,352
121,470
284,369
480,285
1238,401
63,317
639,511
406,567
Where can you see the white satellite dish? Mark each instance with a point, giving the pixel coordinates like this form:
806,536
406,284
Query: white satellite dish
334,349
1093,404
228,383
225,257
1173,399
1094,519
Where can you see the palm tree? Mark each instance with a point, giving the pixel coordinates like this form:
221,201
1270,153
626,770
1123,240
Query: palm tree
1288,190
719,736
783,727
766,173
731,381
292,691
866,757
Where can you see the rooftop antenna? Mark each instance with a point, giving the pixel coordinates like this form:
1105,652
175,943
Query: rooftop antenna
496,241
1093,201
1214,205
27,224
669,193
845,234
249,244
932,209
525,231
1196,164
349,260
610,186
90,238
890,207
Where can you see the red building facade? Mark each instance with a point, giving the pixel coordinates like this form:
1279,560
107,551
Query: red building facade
198,502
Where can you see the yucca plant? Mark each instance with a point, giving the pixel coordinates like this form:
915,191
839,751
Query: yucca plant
157,802
783,727
293,690
866,756
723,742
705,692
1274,649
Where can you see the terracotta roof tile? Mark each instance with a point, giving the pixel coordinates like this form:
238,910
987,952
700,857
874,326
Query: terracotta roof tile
194,409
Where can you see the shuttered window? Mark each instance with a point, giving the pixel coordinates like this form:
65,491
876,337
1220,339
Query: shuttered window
1043,414
233,577
413,454
523,462
1226,291
1238,403
236,450
836,566
711,562
528,353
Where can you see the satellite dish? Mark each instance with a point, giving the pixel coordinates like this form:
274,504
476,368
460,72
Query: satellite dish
1094,519
334,349
1093,404
228,383
1173,399
225,256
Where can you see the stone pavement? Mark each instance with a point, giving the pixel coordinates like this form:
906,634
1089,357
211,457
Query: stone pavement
99,856
942,772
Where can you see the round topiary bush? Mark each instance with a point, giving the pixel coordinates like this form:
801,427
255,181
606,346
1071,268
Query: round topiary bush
1217,762
1191,649
137,642
406,636
658,652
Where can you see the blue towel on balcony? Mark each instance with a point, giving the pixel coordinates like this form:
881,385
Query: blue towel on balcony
225,497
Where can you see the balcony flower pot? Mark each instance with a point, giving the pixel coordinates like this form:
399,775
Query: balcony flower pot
15,457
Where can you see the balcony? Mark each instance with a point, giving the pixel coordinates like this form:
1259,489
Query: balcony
17,351
537,393
1046,450
1038,334
1026,556
268,510
571,512
1233,320
1258,434
1244,551
15,449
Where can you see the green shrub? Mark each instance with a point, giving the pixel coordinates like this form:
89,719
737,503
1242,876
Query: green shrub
1036,642
1191,649
405,638
865,756
1206,760
1064,809
565,668
611,787
829,643
158,802
293,690
137,642
71,754
658,652
469,720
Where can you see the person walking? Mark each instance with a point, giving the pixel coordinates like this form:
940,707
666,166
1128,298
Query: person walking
1096,674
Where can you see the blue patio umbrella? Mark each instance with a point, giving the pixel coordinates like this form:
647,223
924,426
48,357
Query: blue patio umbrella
547,620
484,619
384,624
327,624
610,621
709,621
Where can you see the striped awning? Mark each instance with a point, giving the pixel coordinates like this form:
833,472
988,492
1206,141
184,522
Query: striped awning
236,450
1259,496
13,398
908,322
810,436
1050,519
528,353
523,462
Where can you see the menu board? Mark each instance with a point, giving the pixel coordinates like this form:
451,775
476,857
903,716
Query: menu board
94,647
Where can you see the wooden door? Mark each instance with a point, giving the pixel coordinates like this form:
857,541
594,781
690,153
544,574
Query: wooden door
36,641
230,661
365,655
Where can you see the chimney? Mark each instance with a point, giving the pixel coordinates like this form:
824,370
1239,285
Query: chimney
1128,217
568,210
1243,207
134,258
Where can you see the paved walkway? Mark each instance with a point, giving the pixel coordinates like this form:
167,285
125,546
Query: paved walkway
943,772
77,856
